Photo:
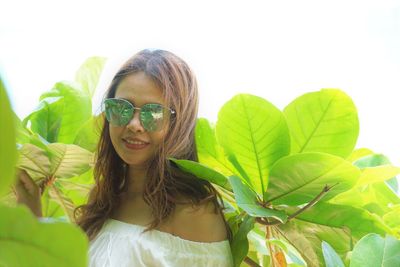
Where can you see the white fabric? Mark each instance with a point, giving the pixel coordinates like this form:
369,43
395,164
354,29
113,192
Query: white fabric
121,244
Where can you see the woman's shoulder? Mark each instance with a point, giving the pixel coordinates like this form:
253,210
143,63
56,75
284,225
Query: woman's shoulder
199,223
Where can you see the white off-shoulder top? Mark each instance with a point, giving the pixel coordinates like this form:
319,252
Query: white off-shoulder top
120,244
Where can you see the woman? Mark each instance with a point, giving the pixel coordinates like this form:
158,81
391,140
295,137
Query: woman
142,210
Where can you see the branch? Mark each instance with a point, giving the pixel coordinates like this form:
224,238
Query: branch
325,190
250,262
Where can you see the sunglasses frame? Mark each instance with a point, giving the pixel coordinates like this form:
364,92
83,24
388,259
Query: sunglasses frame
172,112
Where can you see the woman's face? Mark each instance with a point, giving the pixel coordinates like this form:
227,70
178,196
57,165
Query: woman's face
132,142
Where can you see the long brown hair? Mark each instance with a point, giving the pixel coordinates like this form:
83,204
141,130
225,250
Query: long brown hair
165,181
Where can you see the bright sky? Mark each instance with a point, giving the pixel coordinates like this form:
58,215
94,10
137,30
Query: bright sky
274,49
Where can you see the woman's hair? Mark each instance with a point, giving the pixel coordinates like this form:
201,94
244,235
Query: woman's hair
165,182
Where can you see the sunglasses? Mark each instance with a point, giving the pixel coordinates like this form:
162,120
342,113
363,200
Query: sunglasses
119,112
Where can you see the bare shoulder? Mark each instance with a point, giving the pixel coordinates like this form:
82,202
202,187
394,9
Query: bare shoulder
199,223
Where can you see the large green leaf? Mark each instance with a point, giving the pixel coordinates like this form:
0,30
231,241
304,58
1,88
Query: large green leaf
45,120
51,208
381,174
201,171
247,200
392,218
359,153
76,109
258,242
377,198
240,244
371,160
338,225
89,73
69,160
209,152
35,161
8,150
373,250
377,174
324,121
25,135
25,241
331,258
255,132
64,201
88,135
59,161
306,237
298,178
358,221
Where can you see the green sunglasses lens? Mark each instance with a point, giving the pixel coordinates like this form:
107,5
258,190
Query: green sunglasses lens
152,117
118,111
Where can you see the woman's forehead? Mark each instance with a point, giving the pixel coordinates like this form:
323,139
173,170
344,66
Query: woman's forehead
139,89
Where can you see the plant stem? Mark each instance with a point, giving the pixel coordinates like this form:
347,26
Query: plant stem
250,262
270,247
309,205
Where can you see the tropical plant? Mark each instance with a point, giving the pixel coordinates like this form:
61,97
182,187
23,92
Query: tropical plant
293,179
24,240
56,141
290,179
372,250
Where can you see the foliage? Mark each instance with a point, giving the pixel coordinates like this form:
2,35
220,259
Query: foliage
40,243
291,180
372,250
8,153
57,140
297,173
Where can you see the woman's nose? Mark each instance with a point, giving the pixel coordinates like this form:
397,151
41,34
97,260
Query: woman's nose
134,124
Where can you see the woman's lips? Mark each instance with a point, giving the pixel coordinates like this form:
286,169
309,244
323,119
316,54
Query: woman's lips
137,146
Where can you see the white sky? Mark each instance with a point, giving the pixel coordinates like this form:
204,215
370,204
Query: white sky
274,49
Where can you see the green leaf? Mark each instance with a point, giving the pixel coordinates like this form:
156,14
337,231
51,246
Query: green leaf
65,202
27,242
324,121
338,225
45,120
376,198
306,237
259,243
22,134
75,110
372,250
332,259
59,160
50,207
358,221
359,153
298,178
89,73
201,171
8,150
69,160
88,135
256,133
371,160
25,135
209,152
376,160
240,244
35,161
377,174
247,200
392,218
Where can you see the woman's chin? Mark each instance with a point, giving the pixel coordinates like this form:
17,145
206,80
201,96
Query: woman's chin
137,164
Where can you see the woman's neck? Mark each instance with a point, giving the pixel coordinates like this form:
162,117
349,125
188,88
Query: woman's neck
136,179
